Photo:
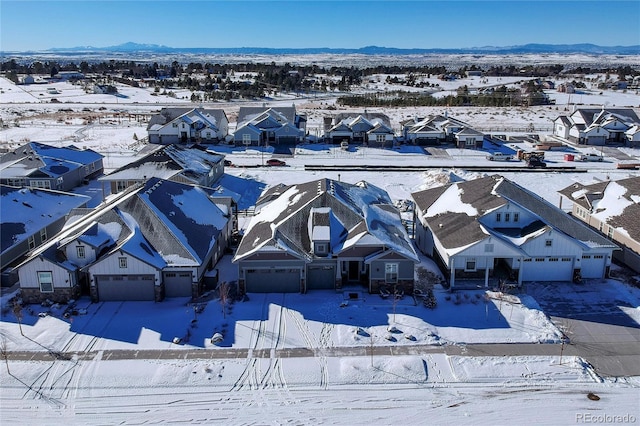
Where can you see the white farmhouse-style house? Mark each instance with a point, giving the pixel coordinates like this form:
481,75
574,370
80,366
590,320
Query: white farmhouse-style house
489,229
188,125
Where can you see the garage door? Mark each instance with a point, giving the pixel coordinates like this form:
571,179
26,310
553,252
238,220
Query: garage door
592,266
125,287
177,284
273,280
286,140
548,269
321,277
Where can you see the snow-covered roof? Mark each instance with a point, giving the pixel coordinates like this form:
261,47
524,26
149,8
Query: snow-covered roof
616,203
25,211
213,117
191,220
49,160
167,161
454,213
353,212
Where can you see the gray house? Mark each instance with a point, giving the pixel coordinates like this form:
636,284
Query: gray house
361,128
267,126
42,166
438,129
179,163
30,217
148,243
325,234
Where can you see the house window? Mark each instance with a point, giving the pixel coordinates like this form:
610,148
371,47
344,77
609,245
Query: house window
246,139
498,217
566,259
391,273
32,242
601,227
45,279
470,142
610,232
80,252
122,262
381,138
121,185
539,259
321,248
507,217
44,184
470,265
60,181
43,235
553,259
548,243
516,217
174,125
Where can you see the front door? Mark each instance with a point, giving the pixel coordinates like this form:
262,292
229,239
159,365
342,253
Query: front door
354,270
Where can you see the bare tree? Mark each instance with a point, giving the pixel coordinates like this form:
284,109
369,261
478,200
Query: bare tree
566,328
4,352
17,311
224,289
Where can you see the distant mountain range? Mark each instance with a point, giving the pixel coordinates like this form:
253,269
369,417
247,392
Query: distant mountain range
584,48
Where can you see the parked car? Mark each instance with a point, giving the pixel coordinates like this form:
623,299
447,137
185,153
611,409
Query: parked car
536,163
499,156
275,162
591,156
228,163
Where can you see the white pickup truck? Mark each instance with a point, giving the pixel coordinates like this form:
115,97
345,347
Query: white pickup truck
499,156
590,157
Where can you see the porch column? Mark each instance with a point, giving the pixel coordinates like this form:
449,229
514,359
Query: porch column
486,274
521,260
452,273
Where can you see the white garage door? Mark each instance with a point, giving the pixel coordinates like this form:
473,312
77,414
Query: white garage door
125,287
548,269
592,266
177,284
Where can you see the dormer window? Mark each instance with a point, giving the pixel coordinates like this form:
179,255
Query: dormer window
321,249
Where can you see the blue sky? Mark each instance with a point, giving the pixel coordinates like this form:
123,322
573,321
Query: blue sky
36,25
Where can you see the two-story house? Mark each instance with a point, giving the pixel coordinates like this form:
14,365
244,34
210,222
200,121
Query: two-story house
261,126
188,125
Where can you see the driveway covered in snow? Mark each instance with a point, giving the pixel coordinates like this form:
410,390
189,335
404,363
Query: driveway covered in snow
600,318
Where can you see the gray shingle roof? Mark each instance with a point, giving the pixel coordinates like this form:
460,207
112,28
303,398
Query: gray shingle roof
357,209
587,195
456,229
168,114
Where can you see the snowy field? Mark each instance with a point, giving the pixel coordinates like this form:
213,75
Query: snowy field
319,358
